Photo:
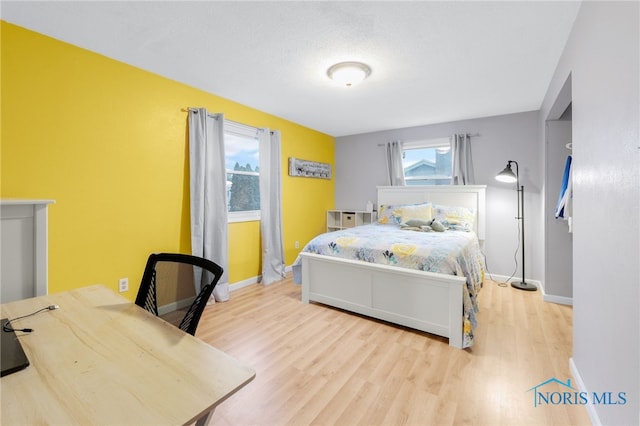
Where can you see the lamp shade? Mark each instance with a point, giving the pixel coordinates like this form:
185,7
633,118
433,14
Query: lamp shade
506,175
348,73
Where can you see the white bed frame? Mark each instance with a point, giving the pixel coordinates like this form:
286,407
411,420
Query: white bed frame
424,301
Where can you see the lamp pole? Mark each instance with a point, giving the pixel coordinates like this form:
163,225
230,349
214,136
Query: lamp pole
522,285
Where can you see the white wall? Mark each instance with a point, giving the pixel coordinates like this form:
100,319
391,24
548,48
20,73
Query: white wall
602,56
361,166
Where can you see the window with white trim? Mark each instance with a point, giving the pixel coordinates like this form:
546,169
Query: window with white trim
242,164
427,162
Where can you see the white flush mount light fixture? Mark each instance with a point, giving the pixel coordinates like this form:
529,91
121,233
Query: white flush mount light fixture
348,73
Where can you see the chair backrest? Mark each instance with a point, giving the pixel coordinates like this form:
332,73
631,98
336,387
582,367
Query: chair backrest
147,294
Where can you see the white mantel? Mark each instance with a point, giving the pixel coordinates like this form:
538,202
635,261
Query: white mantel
24,250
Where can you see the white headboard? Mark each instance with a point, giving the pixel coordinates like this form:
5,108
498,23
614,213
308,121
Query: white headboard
470,196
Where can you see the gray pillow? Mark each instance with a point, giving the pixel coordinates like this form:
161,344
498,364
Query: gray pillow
417,223
437,226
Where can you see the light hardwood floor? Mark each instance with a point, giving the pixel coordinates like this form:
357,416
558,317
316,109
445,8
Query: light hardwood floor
322,366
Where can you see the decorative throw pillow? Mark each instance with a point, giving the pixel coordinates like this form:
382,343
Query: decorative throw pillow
437,226
417,211
400,213
389,214
456,218
417,223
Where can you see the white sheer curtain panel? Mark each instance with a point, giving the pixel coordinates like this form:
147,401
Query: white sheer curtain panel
394,163
462,173
207,184
273,266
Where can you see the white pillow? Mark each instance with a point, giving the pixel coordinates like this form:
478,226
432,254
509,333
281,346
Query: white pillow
417,211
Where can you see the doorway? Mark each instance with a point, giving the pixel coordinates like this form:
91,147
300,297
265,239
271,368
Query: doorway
558,231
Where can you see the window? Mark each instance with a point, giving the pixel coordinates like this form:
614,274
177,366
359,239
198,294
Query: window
242,163
427,162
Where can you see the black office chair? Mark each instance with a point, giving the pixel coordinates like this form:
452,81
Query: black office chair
147,294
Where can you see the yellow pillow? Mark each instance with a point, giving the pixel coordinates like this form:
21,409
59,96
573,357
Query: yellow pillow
418,211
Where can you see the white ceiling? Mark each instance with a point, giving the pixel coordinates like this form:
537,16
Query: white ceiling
432,61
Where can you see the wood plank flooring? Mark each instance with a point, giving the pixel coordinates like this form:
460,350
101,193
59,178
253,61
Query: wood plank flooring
317,365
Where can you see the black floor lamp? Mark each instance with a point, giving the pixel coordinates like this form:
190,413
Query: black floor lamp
508,176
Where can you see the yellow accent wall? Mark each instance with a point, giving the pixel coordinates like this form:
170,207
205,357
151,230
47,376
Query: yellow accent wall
108,142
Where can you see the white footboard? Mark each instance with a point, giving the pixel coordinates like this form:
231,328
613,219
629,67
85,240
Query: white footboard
425,301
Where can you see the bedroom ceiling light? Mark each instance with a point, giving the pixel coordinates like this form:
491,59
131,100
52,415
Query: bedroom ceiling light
349,73
508,176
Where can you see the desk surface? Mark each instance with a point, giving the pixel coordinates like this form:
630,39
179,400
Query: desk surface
100,359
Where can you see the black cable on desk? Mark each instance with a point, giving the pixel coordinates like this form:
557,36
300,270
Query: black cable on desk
6,327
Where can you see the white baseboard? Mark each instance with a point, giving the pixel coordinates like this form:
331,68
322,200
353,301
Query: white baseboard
244,283
174,306
253,280
546,297
185,303
591,410
562,300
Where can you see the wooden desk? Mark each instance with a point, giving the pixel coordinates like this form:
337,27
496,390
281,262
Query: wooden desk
100,359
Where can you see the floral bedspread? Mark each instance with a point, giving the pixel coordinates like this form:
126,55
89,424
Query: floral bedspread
450,252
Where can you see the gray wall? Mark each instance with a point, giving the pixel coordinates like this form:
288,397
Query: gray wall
558,278
602,57
361,166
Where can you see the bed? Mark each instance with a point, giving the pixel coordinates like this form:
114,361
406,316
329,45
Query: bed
442,303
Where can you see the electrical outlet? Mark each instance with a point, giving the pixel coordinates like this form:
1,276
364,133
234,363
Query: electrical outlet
123,284
297,245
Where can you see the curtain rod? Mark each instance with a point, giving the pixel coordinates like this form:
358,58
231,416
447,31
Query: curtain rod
246,126
471,135
196,110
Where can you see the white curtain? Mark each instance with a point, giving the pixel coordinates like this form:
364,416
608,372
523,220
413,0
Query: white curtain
208,194
462,173
273,266
394,163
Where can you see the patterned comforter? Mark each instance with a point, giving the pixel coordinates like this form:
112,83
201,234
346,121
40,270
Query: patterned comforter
450,252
